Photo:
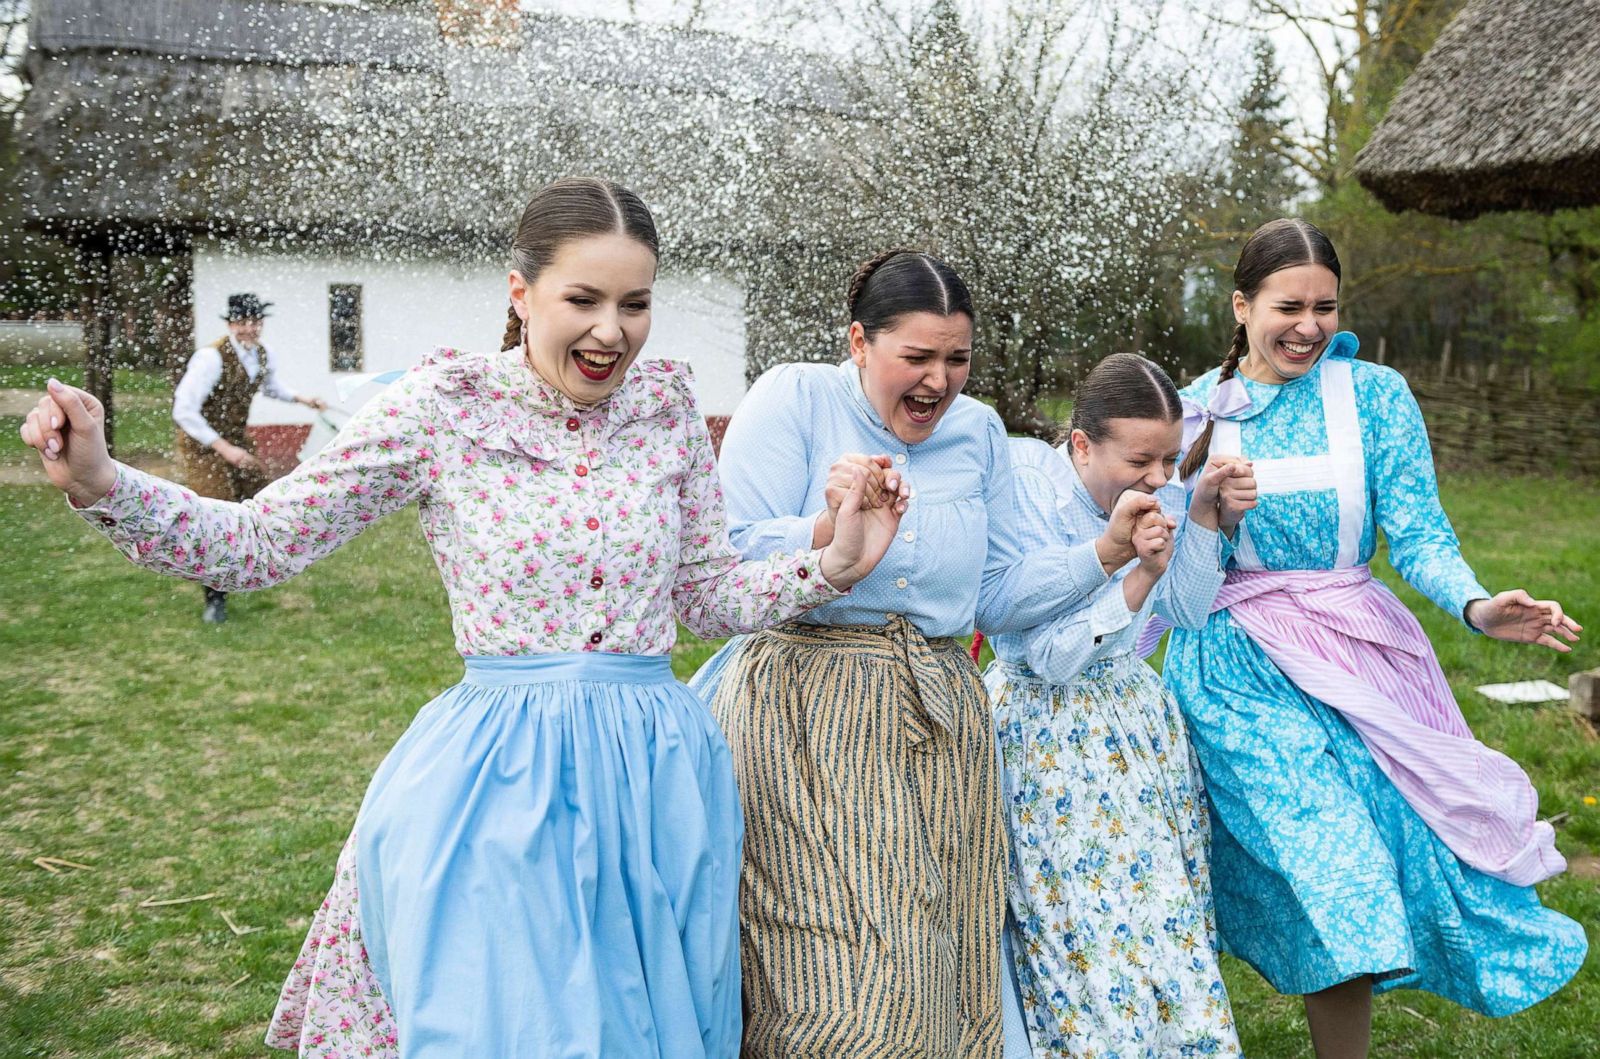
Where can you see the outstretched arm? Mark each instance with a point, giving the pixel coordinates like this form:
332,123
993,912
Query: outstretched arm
379,463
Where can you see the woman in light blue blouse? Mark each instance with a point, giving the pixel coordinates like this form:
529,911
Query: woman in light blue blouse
873,884
1111,926
1362,840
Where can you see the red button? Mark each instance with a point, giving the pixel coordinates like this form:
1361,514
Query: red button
572,424
803,573
593,523
594,638
582,470
596,581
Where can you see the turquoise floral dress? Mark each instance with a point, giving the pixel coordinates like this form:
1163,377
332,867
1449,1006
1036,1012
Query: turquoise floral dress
1322,870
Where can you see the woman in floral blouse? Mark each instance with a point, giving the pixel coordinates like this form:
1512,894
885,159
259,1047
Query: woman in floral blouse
547,863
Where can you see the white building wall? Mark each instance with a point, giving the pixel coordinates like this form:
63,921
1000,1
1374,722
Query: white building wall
410,307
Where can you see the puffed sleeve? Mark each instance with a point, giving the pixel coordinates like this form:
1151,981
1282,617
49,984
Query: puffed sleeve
1400,477
766,465
1025,583
714,593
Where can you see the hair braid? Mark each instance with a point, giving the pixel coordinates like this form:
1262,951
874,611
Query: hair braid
858,282
513,336
1200,451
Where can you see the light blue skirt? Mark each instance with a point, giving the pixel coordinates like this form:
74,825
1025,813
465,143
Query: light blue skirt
548,863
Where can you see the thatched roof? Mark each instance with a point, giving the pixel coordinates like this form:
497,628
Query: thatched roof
267,115
1503,113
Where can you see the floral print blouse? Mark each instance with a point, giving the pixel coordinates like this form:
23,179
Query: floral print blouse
555,527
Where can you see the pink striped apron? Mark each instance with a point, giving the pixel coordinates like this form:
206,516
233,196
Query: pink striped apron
1344,639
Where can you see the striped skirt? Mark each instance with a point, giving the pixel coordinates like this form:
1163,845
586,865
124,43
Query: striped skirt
872,894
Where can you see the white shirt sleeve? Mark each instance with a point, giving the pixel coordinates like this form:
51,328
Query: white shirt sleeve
269,379
199,379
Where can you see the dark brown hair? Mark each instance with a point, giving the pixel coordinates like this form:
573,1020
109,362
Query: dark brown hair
1123,386
901,281
569,209
1275,246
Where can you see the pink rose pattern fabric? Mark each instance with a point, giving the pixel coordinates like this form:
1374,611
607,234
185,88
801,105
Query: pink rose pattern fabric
555,528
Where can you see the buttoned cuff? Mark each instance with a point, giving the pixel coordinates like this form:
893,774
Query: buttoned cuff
126,513
805,567
1109,614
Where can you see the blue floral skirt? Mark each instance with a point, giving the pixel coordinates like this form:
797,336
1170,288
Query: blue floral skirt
1112,931
1322,871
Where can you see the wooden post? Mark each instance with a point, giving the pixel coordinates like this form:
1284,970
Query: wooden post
1585,689
174,332
1383,349
97,308
1444,361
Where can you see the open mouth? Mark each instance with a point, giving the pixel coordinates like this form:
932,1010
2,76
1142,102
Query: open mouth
921,410
1298,352
596,364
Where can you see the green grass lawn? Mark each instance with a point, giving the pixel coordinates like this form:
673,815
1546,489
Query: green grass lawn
179,760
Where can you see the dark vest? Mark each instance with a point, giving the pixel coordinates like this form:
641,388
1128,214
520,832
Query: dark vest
228,407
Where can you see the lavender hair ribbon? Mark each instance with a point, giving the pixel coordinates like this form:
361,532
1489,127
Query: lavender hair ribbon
1228,399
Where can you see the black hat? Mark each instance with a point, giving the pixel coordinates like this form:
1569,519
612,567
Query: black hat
245,307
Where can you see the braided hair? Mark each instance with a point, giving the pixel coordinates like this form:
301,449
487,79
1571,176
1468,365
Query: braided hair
1275,246
569,209
900,281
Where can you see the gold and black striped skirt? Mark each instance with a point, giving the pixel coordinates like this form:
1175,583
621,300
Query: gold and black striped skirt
872,892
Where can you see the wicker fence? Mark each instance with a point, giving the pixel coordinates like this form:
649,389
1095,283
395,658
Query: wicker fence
1509,427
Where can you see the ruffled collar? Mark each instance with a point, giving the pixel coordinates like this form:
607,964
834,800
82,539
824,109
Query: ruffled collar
1342,346
498,401
1065,473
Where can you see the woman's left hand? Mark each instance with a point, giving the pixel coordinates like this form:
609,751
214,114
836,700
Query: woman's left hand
1517,617
861,536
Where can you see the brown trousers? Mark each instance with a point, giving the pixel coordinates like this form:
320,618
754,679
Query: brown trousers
210,475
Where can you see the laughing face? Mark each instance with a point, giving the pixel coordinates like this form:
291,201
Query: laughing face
912,372
1289,322
1138,454
588,314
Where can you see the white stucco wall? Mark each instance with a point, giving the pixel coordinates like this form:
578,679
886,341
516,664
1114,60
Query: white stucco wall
410,307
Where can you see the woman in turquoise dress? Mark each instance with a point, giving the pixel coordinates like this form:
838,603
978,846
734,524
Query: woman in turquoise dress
1340,864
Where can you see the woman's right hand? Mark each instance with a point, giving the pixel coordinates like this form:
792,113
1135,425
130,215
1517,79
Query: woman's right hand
1115,546
67,427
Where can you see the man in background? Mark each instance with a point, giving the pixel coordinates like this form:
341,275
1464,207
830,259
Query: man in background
211,406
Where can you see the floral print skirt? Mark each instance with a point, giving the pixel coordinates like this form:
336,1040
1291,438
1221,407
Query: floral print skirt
1110,895
1323,870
